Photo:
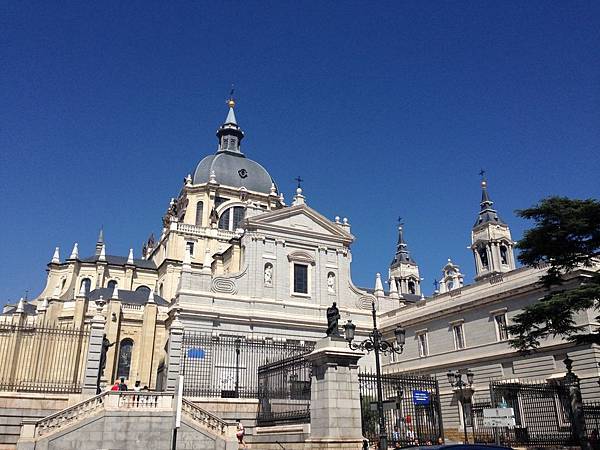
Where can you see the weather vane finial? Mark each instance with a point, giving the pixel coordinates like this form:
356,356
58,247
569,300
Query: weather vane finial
299,180
482,174
230,100
400,222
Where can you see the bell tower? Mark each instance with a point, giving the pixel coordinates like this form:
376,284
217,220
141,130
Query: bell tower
491,241
404,271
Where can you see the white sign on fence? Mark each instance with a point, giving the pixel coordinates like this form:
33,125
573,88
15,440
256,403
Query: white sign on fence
499,422
498,417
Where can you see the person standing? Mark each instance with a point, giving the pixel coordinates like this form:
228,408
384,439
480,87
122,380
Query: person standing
122,385
240,434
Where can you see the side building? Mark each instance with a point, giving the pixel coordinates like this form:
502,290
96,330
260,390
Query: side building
464,328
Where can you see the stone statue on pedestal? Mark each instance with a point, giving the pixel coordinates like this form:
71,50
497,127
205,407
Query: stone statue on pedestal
333,316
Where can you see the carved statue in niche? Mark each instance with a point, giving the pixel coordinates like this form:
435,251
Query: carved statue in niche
268,275
331,283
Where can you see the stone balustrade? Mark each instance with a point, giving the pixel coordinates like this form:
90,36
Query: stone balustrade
129,400
204,231
64,417
131,307
204,418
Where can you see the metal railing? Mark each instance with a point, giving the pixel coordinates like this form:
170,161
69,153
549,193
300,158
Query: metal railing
42,359
408,420
284,391
227,366
543,415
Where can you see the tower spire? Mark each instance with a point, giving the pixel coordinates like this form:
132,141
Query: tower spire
402,252
404,271
229,133
486,212
491,241
100,241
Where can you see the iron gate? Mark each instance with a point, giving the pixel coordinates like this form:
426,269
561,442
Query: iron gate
284,391
227,366
412,408
542,414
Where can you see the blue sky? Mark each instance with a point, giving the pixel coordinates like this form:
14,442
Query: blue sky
386,109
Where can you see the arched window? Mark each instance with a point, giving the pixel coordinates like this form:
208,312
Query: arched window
232,218
112,284
145,290
86,285
411,287
504,254
125,349
484,258
199,212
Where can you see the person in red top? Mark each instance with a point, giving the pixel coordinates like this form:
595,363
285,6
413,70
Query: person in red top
115,387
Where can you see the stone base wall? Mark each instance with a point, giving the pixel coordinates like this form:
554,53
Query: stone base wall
16,406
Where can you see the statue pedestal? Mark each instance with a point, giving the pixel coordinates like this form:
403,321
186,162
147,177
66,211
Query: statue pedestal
335,416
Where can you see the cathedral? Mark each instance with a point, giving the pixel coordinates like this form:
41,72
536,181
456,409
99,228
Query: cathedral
234,261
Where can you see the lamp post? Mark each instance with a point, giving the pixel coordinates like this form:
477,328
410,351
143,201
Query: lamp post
237,368
377,344
456,381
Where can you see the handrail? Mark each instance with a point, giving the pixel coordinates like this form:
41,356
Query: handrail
68,415
204,417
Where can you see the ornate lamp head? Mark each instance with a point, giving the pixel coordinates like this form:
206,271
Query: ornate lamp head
451,377
470,377
349,330
400,334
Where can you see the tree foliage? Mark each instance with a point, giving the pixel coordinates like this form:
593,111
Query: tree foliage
566,236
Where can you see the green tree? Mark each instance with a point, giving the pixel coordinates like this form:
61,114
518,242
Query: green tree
566,236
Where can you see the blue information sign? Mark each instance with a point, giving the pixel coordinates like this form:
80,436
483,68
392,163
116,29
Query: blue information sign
421,397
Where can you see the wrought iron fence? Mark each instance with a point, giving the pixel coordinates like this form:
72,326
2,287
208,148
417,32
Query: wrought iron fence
42,359
284,391
591,412
542,414
412,408
227,366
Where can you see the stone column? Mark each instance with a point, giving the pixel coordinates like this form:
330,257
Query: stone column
92,360
335,416
174,354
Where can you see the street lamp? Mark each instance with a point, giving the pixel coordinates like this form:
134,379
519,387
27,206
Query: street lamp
456,381
237,368
376,343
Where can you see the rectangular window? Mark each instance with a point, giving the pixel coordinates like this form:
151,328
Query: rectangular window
501,331
190,248
301,278
459,336
423,345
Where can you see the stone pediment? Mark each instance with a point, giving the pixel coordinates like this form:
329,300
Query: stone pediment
299,219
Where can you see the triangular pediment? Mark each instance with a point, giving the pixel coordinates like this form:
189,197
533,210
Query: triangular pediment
302,219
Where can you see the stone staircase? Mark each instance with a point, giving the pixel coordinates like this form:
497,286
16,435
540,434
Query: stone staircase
131,420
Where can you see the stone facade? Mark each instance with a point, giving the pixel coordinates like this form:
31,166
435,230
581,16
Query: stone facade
478,311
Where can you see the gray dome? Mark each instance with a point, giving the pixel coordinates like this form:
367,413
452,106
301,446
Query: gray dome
234,170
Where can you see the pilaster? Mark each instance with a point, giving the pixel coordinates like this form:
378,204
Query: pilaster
92,361
174,354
